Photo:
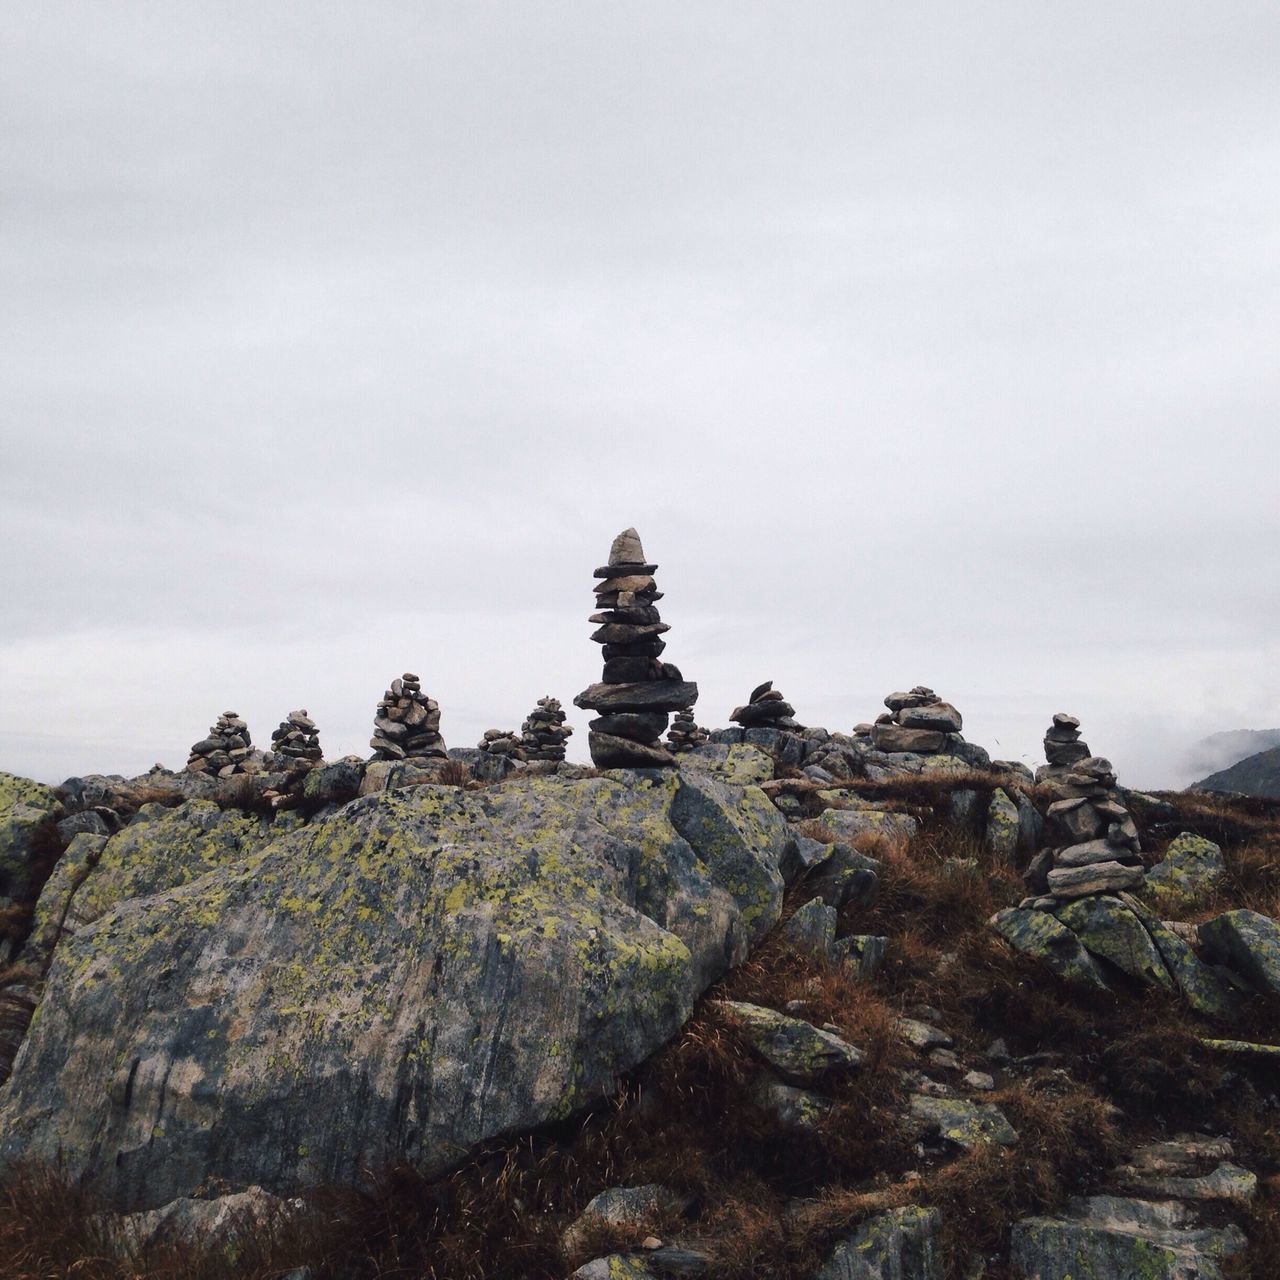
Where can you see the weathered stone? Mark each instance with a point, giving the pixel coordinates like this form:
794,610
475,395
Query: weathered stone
845,877
903,1244
741,764
1107,1236
1038,934
895,738
1109,930
1075,821
1201,986
1000,839
1249,943
849,824
638,1209
922,1035
609,751
794,1048
862,952
941,716
615,1266
1227,1183
1101,877
812,927
961,1122
29,814
653,695
641,726
425,970
791,1108
1190,865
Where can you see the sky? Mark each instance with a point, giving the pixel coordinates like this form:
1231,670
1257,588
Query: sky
923,343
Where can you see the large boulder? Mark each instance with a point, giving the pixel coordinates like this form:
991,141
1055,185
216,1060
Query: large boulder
1114,1236
1036,933
160,849
426,970
29,841
1249,943
903,1244
1191,864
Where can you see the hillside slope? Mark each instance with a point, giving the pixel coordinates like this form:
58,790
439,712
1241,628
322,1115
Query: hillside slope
1257,775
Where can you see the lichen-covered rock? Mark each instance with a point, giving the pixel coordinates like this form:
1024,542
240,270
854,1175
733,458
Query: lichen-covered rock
848,824
616,1266
793,1047
964,1123
903,1244
739,763
29,814
1108,929
160,849
1036,933
790,1108
1000,840
425,970
812,927
1107,1236
1191,865
1250,943
636,1208
862,952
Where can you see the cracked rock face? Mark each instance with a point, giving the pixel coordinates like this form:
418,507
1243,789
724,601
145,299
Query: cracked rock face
426,970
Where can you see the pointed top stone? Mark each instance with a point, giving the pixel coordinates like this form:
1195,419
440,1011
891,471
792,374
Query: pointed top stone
626,548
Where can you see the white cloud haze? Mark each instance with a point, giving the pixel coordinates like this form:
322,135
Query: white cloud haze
922,343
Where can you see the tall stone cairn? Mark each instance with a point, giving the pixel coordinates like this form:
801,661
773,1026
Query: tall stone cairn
227,750
406,725
295,743
544,732
685,734
1096,844
637,691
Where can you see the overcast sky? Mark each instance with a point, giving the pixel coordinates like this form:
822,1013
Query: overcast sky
923,343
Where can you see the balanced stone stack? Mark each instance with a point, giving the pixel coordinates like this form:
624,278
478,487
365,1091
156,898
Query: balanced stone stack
295,744
1098,848
544,732
684,734
227,750
1063,748
767,709
919,722
501,742
406,725
637,691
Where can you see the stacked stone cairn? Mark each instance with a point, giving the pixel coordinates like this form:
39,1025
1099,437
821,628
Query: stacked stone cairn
919,722
1097,849
406,725
544,732
501,742
767,709
295,744
684,734
637,692
1063,748
227,750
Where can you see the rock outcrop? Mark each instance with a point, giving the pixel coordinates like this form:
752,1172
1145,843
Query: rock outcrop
425,970
636,692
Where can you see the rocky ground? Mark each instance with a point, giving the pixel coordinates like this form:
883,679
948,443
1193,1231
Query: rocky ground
800,1008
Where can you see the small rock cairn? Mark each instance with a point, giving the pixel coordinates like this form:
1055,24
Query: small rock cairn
295,744
406,725
918,722
636,692
684,734
767,709
544,732
227,750
1098,849
1062,748
500,742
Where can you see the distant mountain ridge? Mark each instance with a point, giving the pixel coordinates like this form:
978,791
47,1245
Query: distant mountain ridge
1256,775
1220,751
